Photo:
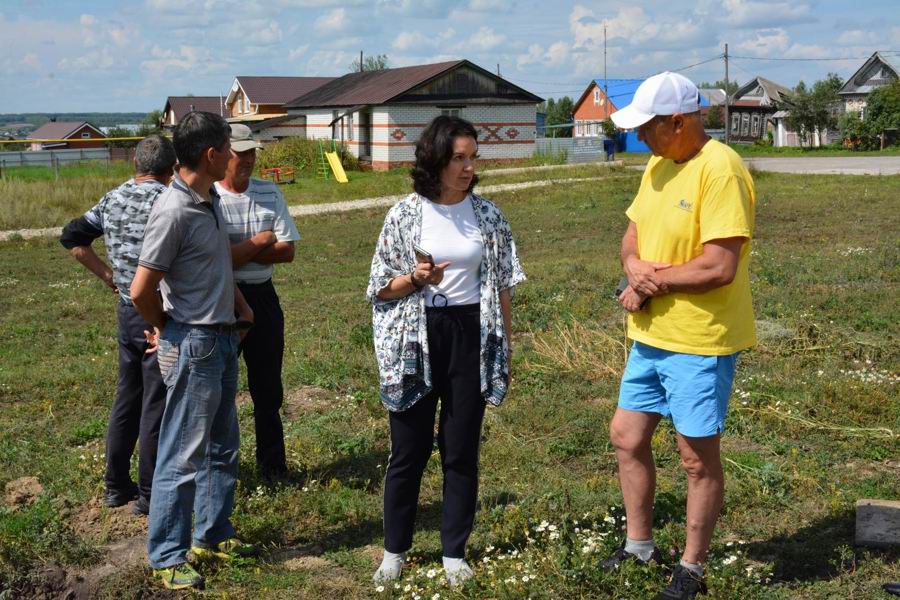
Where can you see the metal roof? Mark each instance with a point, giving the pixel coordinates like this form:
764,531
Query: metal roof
371,87
278,90
857,84
182,105
59,130
382,86
621,92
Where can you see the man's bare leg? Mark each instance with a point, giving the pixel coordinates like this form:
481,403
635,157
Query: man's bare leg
631,432
706,487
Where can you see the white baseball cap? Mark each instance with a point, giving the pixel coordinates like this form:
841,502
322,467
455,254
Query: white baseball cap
663,94
242,138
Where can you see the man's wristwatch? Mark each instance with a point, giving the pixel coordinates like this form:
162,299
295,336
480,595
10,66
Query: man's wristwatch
412,279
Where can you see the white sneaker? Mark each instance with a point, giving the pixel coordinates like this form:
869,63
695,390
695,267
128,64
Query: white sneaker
457,571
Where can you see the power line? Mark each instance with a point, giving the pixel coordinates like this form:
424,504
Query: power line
815,59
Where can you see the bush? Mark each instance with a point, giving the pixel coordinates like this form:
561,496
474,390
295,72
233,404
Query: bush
302,154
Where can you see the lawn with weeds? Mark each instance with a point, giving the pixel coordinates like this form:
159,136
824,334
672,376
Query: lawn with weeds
813,423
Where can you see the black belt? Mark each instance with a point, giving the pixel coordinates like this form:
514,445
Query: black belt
253,285
219,328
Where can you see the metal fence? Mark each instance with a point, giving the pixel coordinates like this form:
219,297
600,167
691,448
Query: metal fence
49,158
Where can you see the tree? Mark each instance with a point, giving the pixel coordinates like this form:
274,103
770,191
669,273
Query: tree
883,108
731,88
154,119
559,112
370,63
116,132
813,109
715,118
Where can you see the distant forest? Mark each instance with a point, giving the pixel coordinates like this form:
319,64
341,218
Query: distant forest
96,119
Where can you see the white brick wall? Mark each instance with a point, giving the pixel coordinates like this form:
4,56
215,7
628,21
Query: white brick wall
504,131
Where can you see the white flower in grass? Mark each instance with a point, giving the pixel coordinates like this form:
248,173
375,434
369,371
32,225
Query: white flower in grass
525,578
407,588
379,589
554,535
609,519
729,560
551,527
431,573
436,597
489,549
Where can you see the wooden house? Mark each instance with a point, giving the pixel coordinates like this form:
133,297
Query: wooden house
380,114
874,73
753,107
76,135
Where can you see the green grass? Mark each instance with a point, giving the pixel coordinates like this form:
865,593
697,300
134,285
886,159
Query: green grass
813,424
35,199
833,150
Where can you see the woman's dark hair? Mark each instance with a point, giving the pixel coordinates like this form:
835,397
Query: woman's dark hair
195,133
434,151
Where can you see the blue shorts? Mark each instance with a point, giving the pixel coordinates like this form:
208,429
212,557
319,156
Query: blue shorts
691,388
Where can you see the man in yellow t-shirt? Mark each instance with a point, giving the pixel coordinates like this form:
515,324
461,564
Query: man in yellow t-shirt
685,255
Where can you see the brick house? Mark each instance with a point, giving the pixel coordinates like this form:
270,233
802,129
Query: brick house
75,131
380,114
178,106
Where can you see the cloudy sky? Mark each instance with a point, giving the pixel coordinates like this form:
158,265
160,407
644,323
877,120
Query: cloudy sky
128,55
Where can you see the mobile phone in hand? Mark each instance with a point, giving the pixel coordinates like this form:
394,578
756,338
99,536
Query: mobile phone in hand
423,255
623,283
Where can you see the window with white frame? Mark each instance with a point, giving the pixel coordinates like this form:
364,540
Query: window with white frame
85,135
334,125
754,126
450,112
736,123
597,96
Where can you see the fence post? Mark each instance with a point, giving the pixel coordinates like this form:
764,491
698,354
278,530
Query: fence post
54,160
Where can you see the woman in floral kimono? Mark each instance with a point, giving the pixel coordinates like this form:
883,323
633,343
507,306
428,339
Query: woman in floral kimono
441,288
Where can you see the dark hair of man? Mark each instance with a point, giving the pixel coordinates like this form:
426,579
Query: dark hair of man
154,155
196,133
434,151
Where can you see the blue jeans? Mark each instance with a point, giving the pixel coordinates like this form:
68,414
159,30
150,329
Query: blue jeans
196,465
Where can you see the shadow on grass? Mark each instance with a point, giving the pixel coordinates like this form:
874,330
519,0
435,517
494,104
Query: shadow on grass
821,550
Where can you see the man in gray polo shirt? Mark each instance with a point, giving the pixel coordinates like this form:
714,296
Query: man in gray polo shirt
186,255
262,233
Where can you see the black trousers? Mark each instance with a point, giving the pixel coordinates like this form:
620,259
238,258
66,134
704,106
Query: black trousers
263,351
137,410
454,343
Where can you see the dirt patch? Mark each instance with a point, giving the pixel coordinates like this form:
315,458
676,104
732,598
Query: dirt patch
304,399
309,563
92,519
308,398
23,491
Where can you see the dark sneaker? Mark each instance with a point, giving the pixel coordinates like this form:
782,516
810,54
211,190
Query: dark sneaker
232,548
620,556
141,506
684,585
116,498
180,577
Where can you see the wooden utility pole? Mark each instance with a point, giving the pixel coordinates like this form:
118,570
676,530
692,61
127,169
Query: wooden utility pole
727,100
605,86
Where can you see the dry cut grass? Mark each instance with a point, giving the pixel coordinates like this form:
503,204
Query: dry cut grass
583,349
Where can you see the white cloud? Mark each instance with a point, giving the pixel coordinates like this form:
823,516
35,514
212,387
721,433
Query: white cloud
332,22
856,36
482,40
756,13
94,61
406,40
266,35
298,52
87,20
554,56
766,42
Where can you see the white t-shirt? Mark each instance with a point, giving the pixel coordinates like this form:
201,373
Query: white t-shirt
451,233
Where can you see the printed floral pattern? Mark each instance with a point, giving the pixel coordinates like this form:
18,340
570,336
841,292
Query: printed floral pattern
401,340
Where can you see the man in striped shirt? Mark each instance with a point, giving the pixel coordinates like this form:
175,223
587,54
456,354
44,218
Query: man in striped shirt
262,233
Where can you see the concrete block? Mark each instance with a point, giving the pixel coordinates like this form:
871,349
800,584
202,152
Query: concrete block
878,523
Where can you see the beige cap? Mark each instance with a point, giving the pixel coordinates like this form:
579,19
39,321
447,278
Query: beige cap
242,138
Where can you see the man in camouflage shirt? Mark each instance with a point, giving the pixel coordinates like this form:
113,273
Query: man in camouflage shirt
120,217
